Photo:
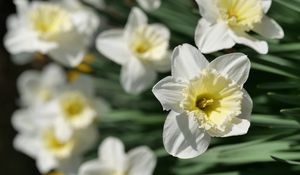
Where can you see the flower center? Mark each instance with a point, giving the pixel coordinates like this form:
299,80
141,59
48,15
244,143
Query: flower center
73,104
55,146
45,94
204,103
147,43
242,14
49,20
213,99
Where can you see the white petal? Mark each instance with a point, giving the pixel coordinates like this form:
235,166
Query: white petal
149,4
113,45
208,10
85,85
89,142
23,40
136,77
71,50
269,28
245,39
22,6
162,30
86,21
94,167
212,37
182,136
239,127
163,64
247,106
12,22
242,123
53,75
141,161
62,129
187,62
21,120
236,66
111,151
28,83
136,18
28,144
169,93
46,162
266,4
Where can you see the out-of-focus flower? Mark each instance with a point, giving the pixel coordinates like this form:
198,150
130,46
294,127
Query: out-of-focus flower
140,48
77,106
61,29
149,5
226,22
112,160
37,88
39,139
206,100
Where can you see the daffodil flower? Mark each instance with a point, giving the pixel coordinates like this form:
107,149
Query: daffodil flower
38,88
63,30
206,100
39,139
76,107
227,22
149,5
140,48
112,160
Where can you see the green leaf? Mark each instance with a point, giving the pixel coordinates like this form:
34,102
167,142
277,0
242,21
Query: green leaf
279,85
291,4
289,99
274,121
291,112
285,161
133,116
272,70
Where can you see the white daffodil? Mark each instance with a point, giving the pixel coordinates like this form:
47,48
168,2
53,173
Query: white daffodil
38,88
61,29
206,100
39,139
112,160
76,107
149,5
140,48
226,22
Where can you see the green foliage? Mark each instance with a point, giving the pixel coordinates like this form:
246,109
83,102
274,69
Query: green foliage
272,144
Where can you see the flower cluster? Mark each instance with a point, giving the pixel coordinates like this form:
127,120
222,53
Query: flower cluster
56,117
57,123
61,29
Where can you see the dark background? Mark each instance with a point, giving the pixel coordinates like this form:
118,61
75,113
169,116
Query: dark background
11,161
